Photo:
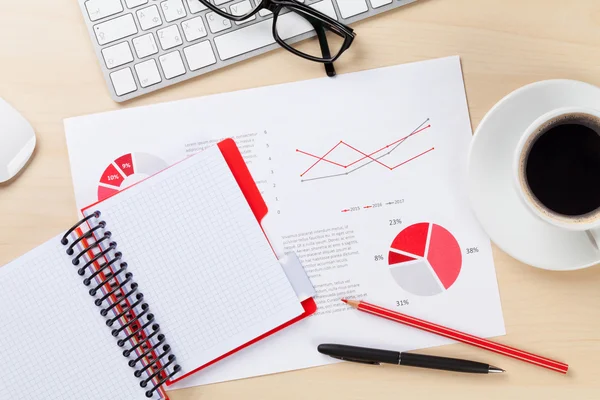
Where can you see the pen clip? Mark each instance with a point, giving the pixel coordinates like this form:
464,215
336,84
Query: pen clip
356,360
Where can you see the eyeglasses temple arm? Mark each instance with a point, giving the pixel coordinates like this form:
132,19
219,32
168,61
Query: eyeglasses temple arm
329,69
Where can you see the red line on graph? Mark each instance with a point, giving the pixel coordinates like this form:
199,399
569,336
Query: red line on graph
374,159
414,158
321,158
388,146
365,156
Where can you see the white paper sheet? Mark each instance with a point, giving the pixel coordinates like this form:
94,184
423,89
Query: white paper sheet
348,166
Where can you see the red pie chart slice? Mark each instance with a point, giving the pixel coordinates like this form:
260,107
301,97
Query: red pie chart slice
111,176
412,239
444,255
126,164
395,258
104,192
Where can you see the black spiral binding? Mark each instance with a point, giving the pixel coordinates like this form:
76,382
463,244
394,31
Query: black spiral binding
116,288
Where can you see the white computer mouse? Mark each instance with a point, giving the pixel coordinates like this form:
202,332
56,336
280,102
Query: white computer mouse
17,141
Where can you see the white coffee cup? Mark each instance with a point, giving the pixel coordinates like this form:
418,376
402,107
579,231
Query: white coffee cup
588,222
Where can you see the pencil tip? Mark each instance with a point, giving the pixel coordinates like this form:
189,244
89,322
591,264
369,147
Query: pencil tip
495,370
351,303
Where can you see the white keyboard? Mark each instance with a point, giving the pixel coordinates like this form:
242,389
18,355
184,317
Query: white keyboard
146,45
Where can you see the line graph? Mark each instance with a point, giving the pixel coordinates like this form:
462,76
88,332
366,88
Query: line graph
372,157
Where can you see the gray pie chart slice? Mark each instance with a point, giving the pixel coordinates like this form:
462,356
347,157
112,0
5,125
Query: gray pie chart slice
417,278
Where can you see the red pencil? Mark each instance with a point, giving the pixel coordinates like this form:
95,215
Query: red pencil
458,336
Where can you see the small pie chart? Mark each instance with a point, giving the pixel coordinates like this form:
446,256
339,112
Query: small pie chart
126,171
425,259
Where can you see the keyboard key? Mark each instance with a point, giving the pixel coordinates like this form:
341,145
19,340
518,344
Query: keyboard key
172,64
169,37
117,55
123,82
326,7
149,18
199,55
261,34
264,12
115,29
98,9
196,6
350,8
219,2
145,45
292,24
135,3
380,3
148,73
194,29
173,10
242,8
216,23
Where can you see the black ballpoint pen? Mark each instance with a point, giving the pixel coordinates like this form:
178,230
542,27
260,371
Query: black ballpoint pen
373,356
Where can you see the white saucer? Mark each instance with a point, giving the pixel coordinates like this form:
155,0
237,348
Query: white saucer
502,214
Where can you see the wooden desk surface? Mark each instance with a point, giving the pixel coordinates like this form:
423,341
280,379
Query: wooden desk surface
49,72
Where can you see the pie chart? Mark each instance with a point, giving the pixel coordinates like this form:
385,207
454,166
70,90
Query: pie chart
425,259
127,170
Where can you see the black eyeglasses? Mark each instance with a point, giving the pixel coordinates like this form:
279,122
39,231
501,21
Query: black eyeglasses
292,19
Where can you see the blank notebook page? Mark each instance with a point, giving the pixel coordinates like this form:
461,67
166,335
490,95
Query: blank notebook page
53,342
201,259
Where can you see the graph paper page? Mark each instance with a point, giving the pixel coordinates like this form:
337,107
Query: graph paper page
53,342
200,258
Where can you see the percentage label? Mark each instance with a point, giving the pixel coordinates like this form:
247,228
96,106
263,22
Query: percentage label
379,257
126,165
395,221
114,177
472,250
400,303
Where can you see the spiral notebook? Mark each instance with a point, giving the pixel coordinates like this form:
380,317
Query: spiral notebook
176,272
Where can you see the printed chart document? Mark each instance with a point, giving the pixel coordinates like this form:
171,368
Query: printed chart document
365,179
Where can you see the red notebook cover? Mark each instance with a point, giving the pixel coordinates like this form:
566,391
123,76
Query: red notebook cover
244,179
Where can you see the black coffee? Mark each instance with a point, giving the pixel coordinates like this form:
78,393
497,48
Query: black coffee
563,168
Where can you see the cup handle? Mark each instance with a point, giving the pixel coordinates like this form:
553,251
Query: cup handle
594,236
